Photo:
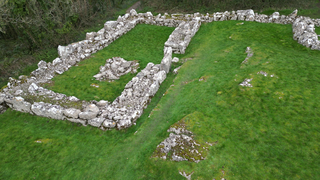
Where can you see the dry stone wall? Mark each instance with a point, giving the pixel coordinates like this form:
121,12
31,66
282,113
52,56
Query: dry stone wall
26,95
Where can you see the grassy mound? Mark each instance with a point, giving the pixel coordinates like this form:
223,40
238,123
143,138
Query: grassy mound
269,131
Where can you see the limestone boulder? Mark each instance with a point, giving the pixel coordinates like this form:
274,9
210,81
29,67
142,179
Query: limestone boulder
72,113
124,123
90,112
90,35
154,88
110,25
175,60
64,51
133,13
18,104
81,121
167,59
274,17
160,76
109,123
293,14
96,122
48,110
42,64
33,88
102,103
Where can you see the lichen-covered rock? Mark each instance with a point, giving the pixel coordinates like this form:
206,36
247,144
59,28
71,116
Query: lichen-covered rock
90,112
42,64
247,15
102,103
33,88
48,110
109,124
18,104
175,60
64,51
90,35
72,113
96,122
110,25
124,123
160,76
166,61
274,17
76,120
153,88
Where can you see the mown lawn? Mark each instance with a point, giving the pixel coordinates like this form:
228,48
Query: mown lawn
269,131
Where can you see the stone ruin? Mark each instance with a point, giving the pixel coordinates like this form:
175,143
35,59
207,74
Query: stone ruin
115,68
180,146
26,94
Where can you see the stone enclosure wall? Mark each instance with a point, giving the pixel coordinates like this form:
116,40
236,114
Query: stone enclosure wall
26,95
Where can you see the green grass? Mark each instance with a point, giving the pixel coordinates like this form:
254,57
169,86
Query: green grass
143,43
258,135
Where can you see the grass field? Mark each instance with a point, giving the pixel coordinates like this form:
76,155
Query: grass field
269,131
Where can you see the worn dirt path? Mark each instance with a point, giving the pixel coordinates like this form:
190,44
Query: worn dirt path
135,6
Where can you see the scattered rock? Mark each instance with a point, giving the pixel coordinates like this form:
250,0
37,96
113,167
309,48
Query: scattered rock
249,54
175,71
246,83
175,60
184,174
263,73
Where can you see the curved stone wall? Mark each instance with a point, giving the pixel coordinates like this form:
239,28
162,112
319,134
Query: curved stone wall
26,94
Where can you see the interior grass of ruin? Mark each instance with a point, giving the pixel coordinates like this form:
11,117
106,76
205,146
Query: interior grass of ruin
269,131
143,43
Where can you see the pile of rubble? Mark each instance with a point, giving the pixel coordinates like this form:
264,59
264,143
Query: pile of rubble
115,68
181,146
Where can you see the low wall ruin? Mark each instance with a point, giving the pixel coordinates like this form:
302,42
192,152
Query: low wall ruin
26,95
